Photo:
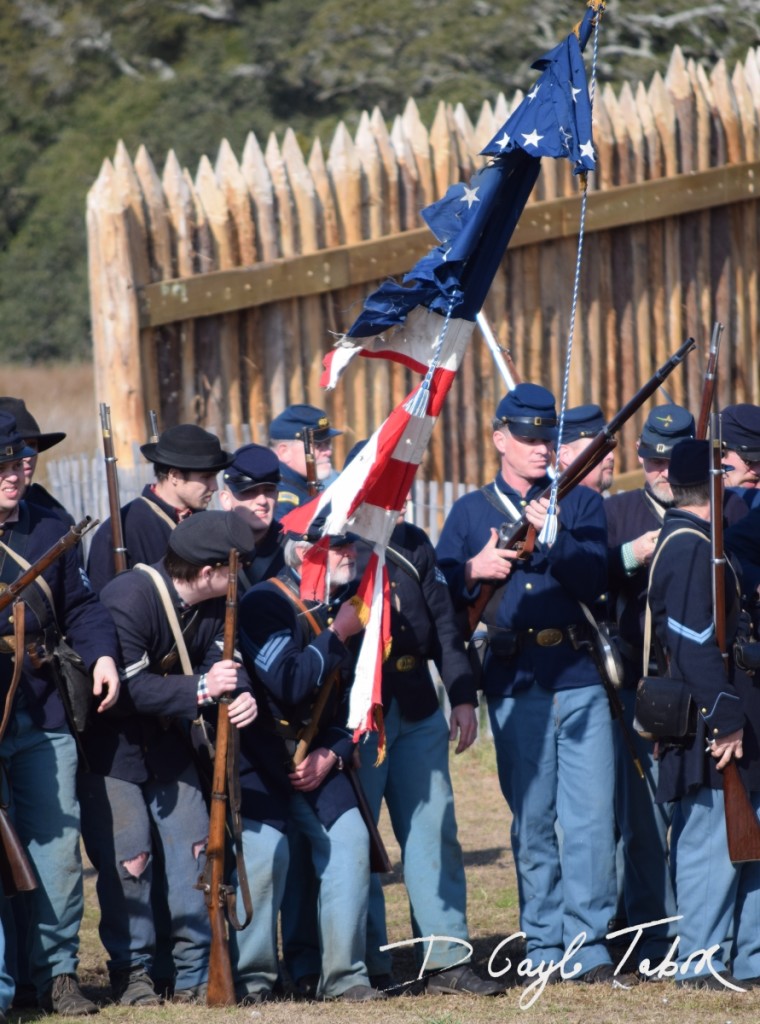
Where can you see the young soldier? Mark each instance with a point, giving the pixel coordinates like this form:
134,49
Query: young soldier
250,489
142,780
38,749
39,442
186,460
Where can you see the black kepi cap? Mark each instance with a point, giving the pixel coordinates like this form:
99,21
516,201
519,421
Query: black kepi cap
582,421
740,430
689,463
528,411
252,465
290,424
205,538
664,427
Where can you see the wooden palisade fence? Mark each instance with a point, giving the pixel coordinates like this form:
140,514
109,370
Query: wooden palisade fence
215,297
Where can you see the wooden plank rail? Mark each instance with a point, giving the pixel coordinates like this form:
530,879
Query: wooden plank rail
363,262
216,294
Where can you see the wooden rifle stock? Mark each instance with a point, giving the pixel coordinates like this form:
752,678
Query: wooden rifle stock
112,482
742,826
312,483
221,987
29,575
710,379
522,533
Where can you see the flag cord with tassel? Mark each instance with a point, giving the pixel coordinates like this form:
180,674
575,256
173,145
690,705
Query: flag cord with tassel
549,531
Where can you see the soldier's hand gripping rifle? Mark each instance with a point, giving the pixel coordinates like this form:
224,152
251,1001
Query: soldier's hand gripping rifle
742,826
112,481
521,535
219,895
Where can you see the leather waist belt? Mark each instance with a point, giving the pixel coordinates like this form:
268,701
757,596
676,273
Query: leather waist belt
549,636
404,663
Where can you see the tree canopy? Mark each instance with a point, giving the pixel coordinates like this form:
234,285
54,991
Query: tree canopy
77,75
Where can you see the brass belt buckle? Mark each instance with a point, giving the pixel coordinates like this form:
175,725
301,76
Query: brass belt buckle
405,663
549,637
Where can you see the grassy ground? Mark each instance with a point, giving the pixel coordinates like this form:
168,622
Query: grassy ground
483,826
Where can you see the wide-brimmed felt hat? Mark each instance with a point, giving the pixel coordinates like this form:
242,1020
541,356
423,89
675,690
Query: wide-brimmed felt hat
28,426
188,446
206,538
12,445
252,465
291,424
529,411
664,427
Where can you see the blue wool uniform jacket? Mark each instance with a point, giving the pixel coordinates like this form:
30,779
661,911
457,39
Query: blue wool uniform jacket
542,591
146,537
680,596
423,624
83,619
267,558
293,491
147,734
629,515
288,665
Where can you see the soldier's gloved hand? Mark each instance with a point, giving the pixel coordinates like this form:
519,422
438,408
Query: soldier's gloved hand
490,563
242,710
221,678
315,767
464,721
105,677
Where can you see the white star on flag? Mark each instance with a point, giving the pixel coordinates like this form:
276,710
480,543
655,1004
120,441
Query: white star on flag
534,92
470,196
587,149
503,142
533,139
575,93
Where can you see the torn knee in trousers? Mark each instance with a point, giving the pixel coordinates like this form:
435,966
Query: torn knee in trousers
135,866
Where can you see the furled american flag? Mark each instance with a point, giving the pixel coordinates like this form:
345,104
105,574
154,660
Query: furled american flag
426,322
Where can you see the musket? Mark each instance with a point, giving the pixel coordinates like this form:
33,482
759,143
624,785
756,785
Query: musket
74,535
709,381
521,535
221,987
742,826
112,482
312,483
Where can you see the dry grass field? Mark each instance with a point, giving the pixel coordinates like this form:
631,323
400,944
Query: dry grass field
483,828
61,397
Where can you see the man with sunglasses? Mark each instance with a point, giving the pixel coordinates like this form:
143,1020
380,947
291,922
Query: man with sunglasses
287,439
740,432
250,490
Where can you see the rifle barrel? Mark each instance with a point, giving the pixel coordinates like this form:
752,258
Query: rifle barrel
74,535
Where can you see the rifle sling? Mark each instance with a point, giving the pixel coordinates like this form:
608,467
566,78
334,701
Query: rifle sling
233,748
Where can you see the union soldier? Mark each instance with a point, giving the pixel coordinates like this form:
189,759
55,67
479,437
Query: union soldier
292,649
38,749
250,489
142,789
186,460
718,902
549,713
286,438
634,519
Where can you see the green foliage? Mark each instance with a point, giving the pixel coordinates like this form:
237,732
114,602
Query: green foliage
77,75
